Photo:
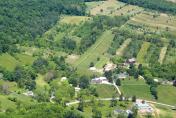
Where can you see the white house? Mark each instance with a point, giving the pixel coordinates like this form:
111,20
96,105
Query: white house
29,93
131,61
123,75
100,80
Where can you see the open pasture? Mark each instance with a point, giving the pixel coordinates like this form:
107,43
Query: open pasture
97,50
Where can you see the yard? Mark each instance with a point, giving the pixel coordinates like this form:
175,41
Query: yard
135,87
106,91
167,94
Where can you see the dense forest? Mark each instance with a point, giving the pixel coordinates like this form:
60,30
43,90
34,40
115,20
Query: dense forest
160,5
22,20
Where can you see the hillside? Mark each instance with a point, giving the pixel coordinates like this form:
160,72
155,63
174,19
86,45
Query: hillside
87,59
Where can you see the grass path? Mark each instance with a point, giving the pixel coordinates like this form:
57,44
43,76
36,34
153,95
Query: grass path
97,50
122,48
142,53
162,54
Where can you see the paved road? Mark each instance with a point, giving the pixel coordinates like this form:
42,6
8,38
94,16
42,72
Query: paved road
99,99
108,99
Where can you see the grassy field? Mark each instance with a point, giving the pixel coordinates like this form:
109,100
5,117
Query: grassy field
170,56
143,52
122,48
127,10
106,91
25,59
162,54
167,94
104,8
160,21
73,19
135,87
40,82
7,61
97,50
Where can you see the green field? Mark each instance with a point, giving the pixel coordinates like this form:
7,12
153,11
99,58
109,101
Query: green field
25,59
97,50
106,91
136,87
143,52
8,62
167,94
73,19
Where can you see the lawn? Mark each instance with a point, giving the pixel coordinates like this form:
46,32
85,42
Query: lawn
106,91
143,52
8,62
133,87
167,94
73,19
97,50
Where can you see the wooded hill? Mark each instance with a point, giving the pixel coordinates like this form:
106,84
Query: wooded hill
22,20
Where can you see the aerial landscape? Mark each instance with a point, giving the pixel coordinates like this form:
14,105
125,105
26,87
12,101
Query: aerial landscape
87,58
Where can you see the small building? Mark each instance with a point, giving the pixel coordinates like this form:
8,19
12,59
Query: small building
143,107
156,80
29,93
109,67
63,78
123,75
100,80
131,61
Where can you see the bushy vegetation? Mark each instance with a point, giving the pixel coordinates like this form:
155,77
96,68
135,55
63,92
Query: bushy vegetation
160,5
